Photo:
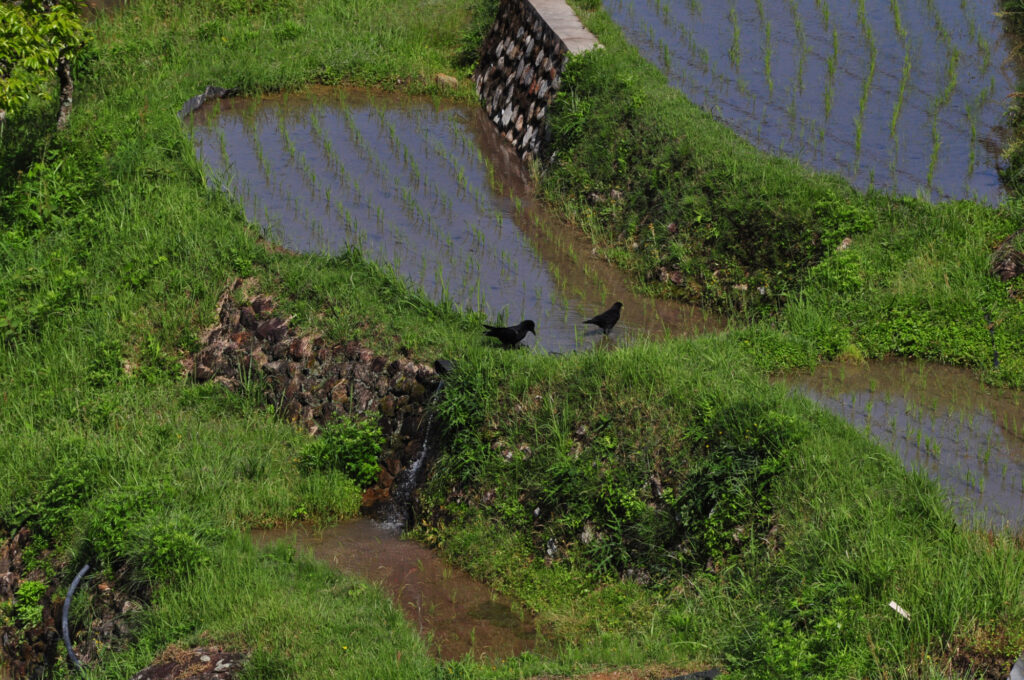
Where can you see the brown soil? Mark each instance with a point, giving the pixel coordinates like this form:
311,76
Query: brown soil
29,651
198,663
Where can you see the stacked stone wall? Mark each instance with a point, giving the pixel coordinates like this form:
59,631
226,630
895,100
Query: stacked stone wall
312,381
520,70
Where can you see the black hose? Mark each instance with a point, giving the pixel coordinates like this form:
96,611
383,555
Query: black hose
64,616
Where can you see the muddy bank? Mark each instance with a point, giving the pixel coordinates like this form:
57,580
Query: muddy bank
198,663
312,381
456,614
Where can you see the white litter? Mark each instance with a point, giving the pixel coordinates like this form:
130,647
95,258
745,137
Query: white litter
899,610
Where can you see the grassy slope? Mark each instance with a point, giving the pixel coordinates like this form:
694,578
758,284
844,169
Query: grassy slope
1012,171
113,250
799,572
697,199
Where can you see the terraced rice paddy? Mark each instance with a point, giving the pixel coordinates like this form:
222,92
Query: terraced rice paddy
430,190
902,95
939,419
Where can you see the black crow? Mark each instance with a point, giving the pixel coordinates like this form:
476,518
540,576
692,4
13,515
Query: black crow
607,319
512,335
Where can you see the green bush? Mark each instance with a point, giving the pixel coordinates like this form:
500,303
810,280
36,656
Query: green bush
28,606
349,446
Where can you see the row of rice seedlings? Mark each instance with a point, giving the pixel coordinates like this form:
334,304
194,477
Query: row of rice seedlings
897,18
282,128
830,64
952,68
940,26
768,56
826,20
976,36
869,78
261,156
801,39
342,176
898,106
734,48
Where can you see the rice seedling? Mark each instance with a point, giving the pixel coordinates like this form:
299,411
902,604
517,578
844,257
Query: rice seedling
934,157
822,6
897,107
894,8
734,48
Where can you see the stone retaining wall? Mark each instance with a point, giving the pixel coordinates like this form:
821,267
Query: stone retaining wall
311,381
521,63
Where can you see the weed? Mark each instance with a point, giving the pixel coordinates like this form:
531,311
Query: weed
349,446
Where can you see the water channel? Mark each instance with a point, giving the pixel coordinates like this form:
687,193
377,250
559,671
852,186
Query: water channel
457,614
904,95
433,191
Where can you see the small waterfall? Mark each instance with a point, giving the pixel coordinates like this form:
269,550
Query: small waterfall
397,512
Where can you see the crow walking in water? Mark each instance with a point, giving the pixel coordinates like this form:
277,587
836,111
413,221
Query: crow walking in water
510,336
607,319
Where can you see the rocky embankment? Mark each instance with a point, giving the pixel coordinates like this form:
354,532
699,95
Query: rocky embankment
311,380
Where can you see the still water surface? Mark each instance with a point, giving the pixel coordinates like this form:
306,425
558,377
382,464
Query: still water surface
899,94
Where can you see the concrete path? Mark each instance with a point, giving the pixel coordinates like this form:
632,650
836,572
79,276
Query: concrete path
564,22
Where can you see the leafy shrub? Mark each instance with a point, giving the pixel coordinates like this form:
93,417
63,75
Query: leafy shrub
171,550
727,488
28,606
50,510
842,272
350,446
130,527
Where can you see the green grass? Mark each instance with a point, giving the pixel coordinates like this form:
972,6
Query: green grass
783,568
113,252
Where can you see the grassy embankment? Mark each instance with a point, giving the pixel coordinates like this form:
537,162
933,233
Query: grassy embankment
773,535
706,217
1013,155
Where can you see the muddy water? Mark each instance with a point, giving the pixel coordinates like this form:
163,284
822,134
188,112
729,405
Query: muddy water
431,190
455,613
824,80
939,419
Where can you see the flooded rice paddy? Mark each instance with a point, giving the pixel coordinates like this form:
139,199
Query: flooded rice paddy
898,94
968,437
456,614
431,190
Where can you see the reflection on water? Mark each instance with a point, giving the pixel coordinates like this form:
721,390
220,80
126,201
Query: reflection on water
940,419
898,95
432,190
458,614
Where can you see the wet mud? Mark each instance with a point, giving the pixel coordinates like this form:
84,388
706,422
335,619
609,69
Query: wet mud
454,613
434,192
965,435
903,95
